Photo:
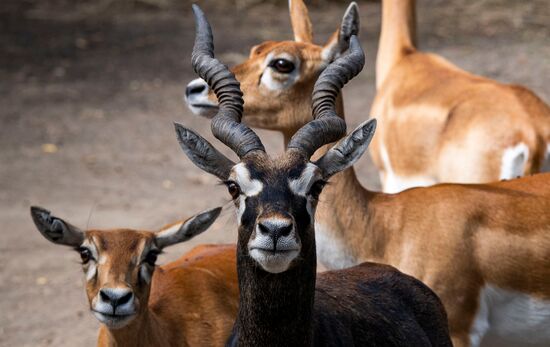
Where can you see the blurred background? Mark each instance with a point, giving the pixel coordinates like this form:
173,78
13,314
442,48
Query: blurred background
88,93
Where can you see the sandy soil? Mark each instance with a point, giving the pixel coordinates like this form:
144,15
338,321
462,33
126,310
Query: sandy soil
105,90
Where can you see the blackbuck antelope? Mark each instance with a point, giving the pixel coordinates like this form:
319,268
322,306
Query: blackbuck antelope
280,302
438,123
192,301
484,249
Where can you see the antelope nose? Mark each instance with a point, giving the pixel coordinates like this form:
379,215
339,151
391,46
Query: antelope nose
195,87
276,228
116,296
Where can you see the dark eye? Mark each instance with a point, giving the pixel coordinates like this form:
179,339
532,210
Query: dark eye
151,257
282,65
85,255
233,189
316,189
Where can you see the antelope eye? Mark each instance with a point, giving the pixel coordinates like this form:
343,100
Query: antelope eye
151,258
85,255
316,189
233,189
282,65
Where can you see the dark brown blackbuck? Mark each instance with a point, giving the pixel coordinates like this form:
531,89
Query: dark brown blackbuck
189,302
281,301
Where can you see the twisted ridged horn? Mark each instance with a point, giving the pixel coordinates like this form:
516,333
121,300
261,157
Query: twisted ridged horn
326,126
226,125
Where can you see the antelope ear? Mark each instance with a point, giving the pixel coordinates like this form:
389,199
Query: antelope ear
348,150
183,231
202,153
339,41
301,25
55,229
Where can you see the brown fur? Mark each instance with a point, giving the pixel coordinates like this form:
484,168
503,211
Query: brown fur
438,121
192,301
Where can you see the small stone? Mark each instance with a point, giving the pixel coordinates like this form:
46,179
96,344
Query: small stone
59,71
167,184
41,281
49,148
81,43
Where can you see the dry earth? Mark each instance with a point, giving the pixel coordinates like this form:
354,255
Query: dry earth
104,87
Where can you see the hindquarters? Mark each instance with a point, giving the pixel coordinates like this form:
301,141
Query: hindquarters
377,305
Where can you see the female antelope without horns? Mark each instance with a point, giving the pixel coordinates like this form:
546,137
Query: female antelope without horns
484,249
281,304
189,302
457,126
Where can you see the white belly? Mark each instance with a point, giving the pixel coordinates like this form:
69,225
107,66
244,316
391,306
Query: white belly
508,318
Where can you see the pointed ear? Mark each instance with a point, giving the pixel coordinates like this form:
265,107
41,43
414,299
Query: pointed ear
301,25
202,153
348,150
55,229
339,41
183,231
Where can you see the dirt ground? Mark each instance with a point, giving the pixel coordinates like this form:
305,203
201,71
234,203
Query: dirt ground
88,98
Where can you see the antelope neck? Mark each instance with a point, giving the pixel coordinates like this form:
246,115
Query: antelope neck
276,309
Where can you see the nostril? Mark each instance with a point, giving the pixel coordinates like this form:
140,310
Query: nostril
197,89
125,298
285,231
104,296
263,229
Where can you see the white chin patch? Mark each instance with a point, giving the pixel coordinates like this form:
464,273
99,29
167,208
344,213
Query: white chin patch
114,322
204,111
274,262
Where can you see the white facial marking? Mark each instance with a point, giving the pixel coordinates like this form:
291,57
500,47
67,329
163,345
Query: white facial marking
198,102
276,81
513,161
240,210
393,183
332,251
249,187
90,269
508,318
302,185
145,273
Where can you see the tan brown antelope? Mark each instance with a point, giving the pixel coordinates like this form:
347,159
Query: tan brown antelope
192,301
484,249
438,123
275,198
283,73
